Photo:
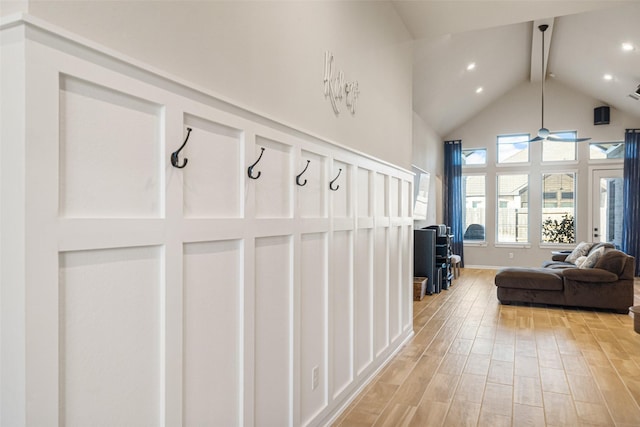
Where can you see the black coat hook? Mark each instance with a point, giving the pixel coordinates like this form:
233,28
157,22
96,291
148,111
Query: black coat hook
298,177
174,155
250,168
334,180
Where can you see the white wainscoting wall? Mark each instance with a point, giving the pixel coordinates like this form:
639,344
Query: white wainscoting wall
135,293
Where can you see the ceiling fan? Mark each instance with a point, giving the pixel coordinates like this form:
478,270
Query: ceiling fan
543,133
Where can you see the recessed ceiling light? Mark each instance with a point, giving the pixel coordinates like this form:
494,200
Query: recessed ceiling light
627,47
471,66
607,77
479,90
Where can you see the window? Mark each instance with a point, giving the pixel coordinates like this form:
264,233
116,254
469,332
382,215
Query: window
559,151
558,214
513,212
606,150
474,156
473,194
513,148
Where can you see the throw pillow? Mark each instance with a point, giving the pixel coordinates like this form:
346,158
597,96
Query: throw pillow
580,261
593,258
581,250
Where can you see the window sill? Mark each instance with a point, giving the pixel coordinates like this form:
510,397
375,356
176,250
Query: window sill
557,246
513,245
479,244
513,165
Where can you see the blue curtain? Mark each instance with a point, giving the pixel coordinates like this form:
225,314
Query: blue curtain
631,208
452,193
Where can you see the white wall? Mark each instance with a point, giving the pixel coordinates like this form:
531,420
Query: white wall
517,112
269,57
428,155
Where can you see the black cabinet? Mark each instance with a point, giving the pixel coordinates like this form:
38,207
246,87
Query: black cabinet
443,258
424,259
432,255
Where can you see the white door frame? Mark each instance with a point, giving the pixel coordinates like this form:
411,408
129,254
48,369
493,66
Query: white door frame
615,170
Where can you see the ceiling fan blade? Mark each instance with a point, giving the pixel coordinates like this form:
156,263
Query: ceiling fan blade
537,138
558,139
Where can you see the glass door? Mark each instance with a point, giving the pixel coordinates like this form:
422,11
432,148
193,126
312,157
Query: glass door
606,206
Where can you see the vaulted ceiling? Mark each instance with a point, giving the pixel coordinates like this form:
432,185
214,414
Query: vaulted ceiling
503,41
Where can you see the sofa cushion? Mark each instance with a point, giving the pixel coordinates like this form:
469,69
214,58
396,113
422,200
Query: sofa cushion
612,260
529,278
557,264
602,245
581,250
592,275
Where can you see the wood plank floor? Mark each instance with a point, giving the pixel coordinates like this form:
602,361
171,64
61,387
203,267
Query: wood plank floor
474,362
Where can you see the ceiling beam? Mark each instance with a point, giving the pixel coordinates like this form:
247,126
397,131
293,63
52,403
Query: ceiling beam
536,48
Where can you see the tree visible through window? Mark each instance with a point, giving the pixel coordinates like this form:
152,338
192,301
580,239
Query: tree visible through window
558,211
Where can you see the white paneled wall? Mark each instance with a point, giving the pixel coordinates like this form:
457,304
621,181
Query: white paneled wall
151,294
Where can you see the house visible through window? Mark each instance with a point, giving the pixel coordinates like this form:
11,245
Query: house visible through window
474,196
474,156
558,211
558,151
513,148
513,210
606,150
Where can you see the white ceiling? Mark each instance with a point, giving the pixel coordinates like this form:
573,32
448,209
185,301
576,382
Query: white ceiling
501,37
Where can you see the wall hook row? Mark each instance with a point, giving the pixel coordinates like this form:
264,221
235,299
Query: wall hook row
334,180
174,156
298,177
250,168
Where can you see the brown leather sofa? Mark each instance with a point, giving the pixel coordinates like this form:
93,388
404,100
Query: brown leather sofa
601,280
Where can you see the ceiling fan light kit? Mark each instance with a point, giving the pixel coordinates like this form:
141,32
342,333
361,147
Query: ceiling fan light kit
543,133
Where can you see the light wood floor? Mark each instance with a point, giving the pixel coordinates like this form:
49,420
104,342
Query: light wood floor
474,362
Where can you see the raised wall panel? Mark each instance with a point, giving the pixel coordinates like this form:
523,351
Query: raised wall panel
212,384
110,147
363,299
381,195
342,310
394,197
311,196
405,277
313,325
380,291
212,178
273,188
273,327
110,334
364,197
395,283
342,196
406,199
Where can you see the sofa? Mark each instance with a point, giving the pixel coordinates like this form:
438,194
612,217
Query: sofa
593,275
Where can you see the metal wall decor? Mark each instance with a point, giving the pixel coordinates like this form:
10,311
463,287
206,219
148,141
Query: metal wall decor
174,156
335,88
299,175
250,168
334,180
